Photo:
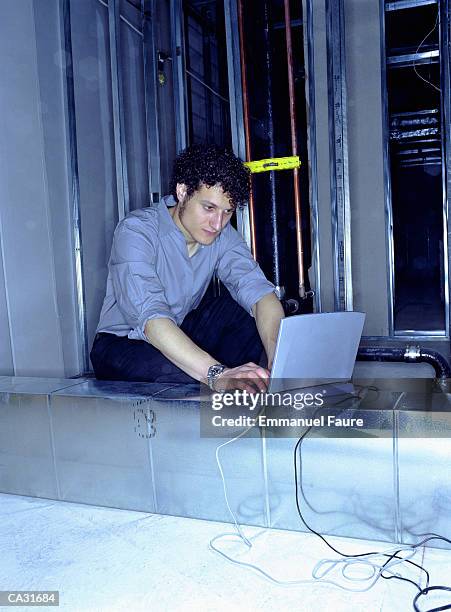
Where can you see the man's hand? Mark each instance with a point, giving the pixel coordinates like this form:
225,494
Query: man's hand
248,376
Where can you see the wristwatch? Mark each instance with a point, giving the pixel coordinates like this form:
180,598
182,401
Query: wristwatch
213,372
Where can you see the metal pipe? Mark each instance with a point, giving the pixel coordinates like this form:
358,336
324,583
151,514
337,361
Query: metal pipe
246,124
272,153
407,354
294,147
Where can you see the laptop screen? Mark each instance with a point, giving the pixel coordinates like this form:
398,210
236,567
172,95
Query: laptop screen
316,348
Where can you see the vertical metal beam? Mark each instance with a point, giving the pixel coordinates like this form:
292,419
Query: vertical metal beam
246,123
445,86
387,180
82,336
151,99
236,101
206,78
118,110
309,54
178,67
234,74
395,466
338,145
294,151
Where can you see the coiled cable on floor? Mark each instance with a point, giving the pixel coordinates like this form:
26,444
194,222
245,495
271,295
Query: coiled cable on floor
325,566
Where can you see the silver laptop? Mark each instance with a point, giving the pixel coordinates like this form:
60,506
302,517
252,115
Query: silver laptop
315,349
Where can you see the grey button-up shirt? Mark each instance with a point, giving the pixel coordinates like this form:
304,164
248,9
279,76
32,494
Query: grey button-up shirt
151,275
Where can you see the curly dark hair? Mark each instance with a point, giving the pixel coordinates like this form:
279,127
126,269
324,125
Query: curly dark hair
212,165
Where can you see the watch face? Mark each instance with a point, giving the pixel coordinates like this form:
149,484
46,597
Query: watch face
213,372
216,369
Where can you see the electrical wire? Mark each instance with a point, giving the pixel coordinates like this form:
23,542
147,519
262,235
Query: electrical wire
418,48
239,536
391,555
323,568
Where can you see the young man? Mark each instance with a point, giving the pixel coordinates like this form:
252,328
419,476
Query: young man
156,325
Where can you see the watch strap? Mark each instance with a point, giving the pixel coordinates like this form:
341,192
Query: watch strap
213,372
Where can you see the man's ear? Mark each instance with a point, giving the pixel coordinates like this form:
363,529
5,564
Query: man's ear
181,191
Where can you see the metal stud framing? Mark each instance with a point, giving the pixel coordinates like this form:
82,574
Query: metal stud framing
338,145
151,101
307,11
236,101
83,349
445,86
118,110
445,17
178,73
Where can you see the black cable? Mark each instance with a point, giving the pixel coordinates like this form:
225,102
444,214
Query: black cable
432,536
321,536
425,592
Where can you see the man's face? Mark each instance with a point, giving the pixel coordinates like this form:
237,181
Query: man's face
205,214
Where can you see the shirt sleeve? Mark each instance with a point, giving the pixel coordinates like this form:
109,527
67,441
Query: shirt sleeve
241,274
138,290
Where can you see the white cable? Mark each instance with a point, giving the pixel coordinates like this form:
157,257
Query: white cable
237,526
418,48
395,405
377,569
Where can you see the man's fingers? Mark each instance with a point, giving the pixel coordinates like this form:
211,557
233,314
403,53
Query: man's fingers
249,377
259,370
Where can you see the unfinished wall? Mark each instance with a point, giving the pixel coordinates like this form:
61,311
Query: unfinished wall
366,173
365,158
37,300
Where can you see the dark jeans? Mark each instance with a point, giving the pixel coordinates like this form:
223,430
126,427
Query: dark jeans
219,325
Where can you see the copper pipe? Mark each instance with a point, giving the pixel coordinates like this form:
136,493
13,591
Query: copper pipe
247,131
294,147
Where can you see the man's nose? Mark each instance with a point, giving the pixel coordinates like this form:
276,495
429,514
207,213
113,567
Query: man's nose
216,221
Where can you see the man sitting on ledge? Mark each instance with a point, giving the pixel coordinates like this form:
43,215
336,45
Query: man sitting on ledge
156,325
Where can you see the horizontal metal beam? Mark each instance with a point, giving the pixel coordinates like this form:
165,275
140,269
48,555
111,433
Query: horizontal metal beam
410,58
407,4
432,111
280,25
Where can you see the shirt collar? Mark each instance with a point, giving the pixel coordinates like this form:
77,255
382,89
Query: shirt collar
167,224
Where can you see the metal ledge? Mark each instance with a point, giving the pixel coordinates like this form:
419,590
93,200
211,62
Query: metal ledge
137,446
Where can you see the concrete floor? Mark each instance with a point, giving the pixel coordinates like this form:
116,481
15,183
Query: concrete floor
102,559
